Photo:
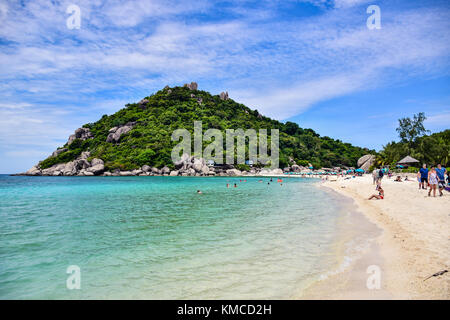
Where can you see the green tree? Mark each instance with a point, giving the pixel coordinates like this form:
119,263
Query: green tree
410,129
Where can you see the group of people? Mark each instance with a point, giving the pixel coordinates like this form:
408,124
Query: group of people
433,178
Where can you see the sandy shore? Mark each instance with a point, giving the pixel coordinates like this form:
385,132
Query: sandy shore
414,244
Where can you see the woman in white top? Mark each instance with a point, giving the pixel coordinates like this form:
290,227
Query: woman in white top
433,181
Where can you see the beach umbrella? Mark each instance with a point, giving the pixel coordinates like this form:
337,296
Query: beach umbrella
359,170
408,160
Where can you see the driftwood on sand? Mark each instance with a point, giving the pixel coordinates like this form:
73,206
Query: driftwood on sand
437,274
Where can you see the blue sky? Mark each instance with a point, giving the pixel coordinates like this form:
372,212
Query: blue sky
313,62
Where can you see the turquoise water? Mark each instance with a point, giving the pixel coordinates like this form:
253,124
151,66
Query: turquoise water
156,238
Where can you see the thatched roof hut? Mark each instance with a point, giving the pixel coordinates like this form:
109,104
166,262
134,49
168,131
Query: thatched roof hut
407,161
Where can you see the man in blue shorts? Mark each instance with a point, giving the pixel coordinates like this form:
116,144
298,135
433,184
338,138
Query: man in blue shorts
423,176
441,176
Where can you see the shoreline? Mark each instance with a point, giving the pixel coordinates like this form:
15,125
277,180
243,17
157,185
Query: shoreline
413,244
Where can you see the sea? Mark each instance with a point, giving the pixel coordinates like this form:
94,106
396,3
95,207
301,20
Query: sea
158,238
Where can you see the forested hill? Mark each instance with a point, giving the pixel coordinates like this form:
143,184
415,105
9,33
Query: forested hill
140,133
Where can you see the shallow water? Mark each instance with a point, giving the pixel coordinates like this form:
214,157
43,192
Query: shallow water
156,238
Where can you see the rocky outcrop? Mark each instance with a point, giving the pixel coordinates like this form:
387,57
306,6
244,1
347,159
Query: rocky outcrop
143,103
191,86
186,166
80,133
366,161
116,132
224,95
58,151
34,171
234,172
192,166
165,170
97,166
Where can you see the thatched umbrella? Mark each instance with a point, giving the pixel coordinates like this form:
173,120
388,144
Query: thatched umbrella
408,161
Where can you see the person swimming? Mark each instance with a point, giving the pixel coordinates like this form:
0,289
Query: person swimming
235,185
199,192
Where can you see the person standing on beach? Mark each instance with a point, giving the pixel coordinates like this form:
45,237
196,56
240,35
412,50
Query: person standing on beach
441,177
375,175
380,175
418,178
432,181
424,175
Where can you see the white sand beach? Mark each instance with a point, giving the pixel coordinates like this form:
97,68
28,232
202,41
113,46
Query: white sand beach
414,243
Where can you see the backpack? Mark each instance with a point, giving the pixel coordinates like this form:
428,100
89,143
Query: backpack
380,173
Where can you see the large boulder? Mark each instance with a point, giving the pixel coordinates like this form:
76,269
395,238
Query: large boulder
146,168
96,169
198,164
234,172
156,170
126,173
205,169
366,161
57,168
58,151
224,95
80,133
116,132
70,169
165,170
34,171
173,173
183,162
191,86
96,161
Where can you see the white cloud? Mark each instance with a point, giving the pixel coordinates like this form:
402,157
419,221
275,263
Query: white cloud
442,119
61,78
